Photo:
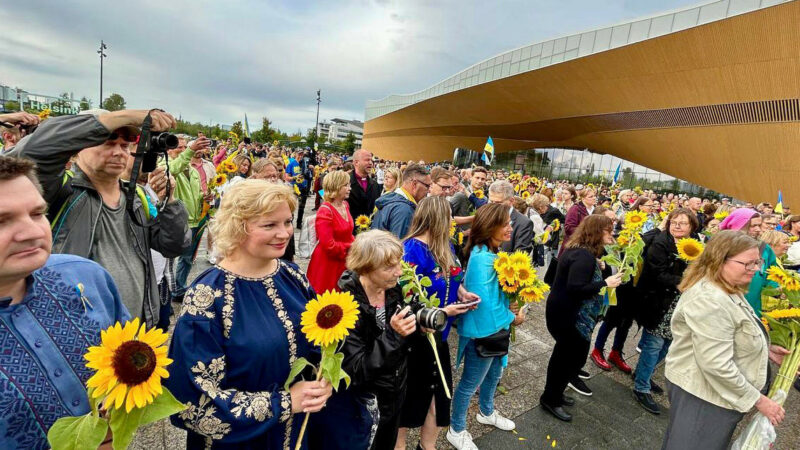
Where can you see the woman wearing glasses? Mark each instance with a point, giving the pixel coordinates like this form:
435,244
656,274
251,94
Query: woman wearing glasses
717,364
658,287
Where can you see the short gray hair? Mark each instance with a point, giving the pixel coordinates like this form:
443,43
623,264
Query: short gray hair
502,187
413,171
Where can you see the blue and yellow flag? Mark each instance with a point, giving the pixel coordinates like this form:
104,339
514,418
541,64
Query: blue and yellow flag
246,127
779,206
616,174
488,149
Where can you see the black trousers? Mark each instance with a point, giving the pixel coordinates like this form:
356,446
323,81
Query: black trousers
569,356
301,208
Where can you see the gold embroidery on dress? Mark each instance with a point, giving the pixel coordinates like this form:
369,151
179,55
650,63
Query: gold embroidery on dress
257,405
200,418
199,301
209,377
227,307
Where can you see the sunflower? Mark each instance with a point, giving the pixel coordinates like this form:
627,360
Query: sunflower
453,229
635,219
531,294
556,225
220,179
508,272
519,258
44,114
791,313
689,249
524,275
460,238
765,322
328,317
130,363
722,215
501,261
362,222
525,195
623,239
786,279
229,166
478,193
296,190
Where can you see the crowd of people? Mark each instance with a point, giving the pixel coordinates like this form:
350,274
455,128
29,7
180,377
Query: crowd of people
85,247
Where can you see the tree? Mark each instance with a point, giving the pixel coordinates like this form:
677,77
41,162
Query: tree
349,143
237,128
266,134
114,102
85,104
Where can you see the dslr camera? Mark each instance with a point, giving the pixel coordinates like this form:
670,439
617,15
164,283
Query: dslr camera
159,143
431,318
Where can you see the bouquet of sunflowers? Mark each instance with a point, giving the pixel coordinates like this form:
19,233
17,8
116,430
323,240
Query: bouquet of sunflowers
125,392
456,237
518,279
781,317
625,255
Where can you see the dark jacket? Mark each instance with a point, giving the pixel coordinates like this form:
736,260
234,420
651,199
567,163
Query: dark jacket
362,202
54,142
521,233
548,217
376,359
658,284
572,286
575,216
394,214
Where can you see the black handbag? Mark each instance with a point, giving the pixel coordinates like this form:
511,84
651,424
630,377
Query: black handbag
493,345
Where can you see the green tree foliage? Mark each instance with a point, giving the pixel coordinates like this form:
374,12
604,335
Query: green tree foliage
237,128
85,104
114,102
192,129
266,133
349,143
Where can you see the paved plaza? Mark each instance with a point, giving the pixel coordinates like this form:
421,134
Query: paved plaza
610,419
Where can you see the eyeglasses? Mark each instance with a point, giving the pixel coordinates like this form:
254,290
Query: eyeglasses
445,187
680,224
752,265
427,185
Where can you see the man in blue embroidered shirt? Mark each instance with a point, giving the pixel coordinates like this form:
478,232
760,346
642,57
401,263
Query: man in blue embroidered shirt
52,308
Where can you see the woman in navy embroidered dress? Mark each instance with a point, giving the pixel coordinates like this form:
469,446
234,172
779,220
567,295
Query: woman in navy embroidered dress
239,333
428,248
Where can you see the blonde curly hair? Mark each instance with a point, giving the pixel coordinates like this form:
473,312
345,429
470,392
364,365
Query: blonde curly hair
242,203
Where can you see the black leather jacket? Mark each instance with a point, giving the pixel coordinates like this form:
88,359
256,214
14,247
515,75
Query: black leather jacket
376,359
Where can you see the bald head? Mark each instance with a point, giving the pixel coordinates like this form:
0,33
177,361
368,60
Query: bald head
362,162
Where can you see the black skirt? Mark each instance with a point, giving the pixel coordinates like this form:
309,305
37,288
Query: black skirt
424,383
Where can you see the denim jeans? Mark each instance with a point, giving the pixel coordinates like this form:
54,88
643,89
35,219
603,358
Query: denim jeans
654,350
483,372
185,262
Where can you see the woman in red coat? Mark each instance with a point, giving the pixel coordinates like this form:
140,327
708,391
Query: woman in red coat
334,227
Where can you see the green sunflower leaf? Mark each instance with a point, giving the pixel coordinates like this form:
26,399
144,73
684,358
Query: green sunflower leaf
77,433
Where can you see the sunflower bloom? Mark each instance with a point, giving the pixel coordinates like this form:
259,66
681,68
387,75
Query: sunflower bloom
520,258
362,222
220,179
501,261
524,275
791,313
786,279
130,363
635,219
478,193
329,317
689,249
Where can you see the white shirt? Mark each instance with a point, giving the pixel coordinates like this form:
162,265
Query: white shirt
379,176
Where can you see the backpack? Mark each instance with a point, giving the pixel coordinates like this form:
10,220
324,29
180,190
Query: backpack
308,237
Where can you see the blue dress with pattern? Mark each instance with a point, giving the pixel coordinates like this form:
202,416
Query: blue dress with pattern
233,347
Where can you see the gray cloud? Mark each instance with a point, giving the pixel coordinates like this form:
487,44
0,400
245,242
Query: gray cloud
216,61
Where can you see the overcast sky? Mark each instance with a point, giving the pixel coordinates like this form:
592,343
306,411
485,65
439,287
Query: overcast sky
217,60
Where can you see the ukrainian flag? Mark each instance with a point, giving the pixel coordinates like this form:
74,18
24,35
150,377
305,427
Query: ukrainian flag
779,206
488,149
246,127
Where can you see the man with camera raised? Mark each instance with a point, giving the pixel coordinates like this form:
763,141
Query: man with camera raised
88,209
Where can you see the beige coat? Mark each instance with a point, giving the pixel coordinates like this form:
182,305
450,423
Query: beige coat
718,352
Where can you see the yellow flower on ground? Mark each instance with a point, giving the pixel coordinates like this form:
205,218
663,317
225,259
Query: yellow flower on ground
520,258
362,221
478,193
501,261
635,219
130,363
689,249
329,317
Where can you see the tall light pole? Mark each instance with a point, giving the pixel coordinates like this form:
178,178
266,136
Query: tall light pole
102,55
314,150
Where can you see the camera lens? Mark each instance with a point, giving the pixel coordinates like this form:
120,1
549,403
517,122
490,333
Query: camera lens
432,318
163,141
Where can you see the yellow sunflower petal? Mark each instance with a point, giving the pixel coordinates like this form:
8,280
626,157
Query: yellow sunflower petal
118,395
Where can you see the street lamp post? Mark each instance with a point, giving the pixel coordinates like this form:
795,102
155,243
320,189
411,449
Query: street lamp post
316,125
103,46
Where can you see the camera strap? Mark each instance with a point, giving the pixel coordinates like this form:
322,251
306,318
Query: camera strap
142,149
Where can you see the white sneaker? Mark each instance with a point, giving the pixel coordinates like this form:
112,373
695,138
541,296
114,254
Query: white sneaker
496,420
461,441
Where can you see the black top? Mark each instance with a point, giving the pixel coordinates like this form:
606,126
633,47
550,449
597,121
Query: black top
362,202
375,357
548,217
658,285
573,285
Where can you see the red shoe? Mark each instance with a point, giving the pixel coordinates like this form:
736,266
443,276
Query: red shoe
599,360
615,358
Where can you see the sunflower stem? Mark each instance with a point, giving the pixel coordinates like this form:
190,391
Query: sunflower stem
439,364
299,442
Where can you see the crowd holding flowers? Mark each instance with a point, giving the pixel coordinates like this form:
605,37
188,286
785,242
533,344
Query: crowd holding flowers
406,259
